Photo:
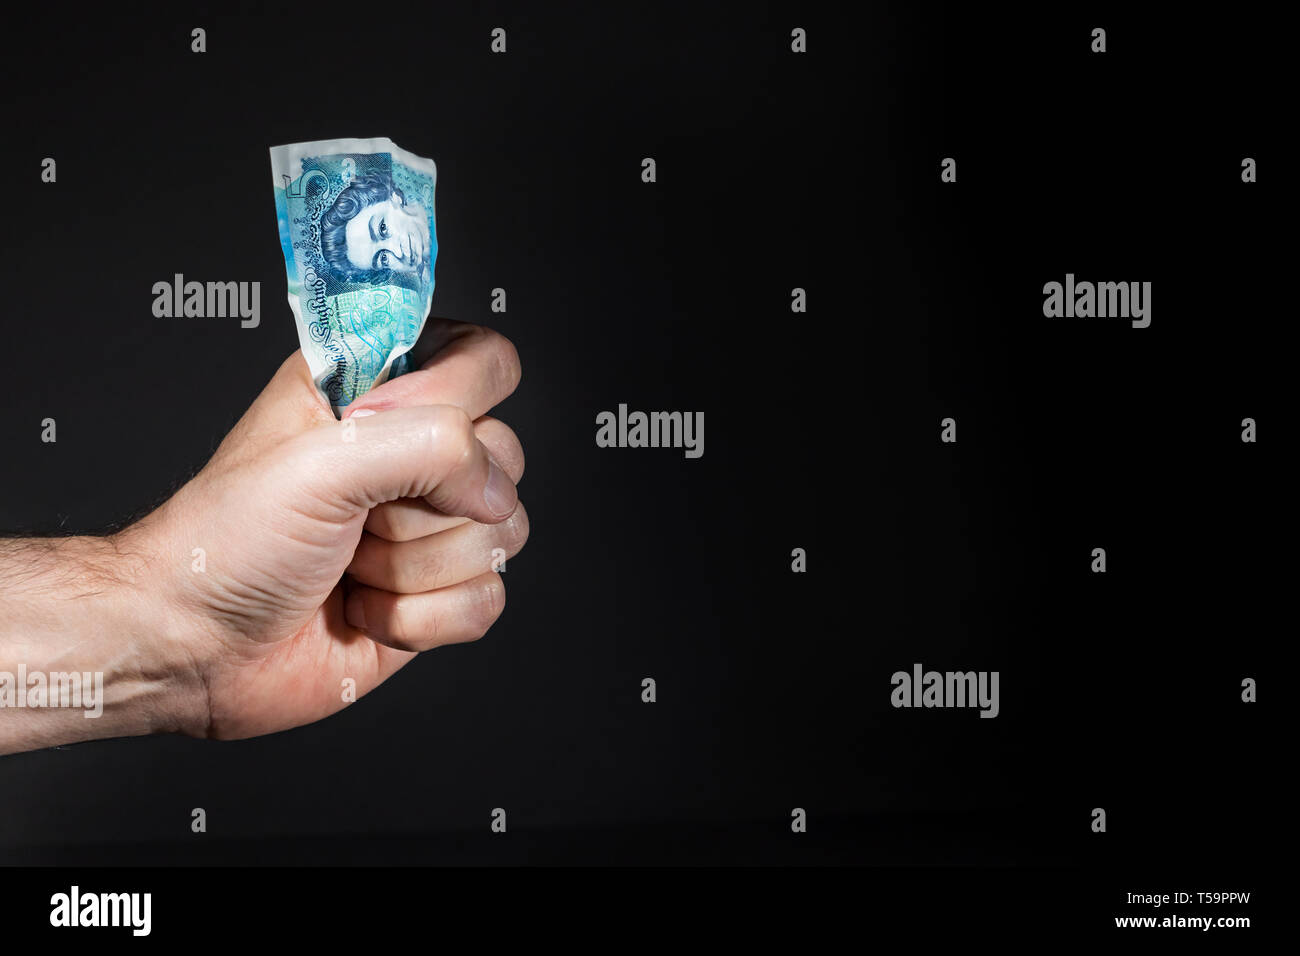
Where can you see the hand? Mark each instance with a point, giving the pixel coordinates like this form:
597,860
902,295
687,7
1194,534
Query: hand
237,617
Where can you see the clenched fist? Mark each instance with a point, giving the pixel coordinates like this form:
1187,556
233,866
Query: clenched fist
307,552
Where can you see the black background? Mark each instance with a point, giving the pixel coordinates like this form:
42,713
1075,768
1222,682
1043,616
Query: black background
775,170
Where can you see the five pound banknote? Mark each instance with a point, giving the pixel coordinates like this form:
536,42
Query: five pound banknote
359,239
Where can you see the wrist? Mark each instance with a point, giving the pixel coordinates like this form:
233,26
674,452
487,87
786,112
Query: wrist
87,649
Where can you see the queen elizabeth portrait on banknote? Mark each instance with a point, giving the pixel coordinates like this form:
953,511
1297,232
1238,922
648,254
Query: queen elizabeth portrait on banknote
358,233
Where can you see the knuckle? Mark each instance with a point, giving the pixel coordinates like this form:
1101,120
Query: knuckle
486,601
505,360
394,569
515,529
503,444
460,426
412,565
426,566
414,626
513,453
430,626
453,433
399,629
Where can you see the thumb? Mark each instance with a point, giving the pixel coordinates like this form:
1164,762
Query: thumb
428,452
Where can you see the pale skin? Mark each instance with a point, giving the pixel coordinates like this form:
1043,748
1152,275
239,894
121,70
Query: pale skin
414,509
388,235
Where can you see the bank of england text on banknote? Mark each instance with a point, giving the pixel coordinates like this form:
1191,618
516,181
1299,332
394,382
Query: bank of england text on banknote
359,238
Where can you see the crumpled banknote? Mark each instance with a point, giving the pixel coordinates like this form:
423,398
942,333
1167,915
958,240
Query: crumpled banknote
359,238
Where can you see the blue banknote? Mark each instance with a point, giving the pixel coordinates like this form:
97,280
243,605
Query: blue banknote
360,241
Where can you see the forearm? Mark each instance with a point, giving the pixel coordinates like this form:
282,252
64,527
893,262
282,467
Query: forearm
85,651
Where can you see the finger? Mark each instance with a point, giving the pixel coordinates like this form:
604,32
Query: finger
409,518
475,370
441,560
429,452
418,622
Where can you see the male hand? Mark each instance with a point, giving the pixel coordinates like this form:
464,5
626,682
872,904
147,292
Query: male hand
230,606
